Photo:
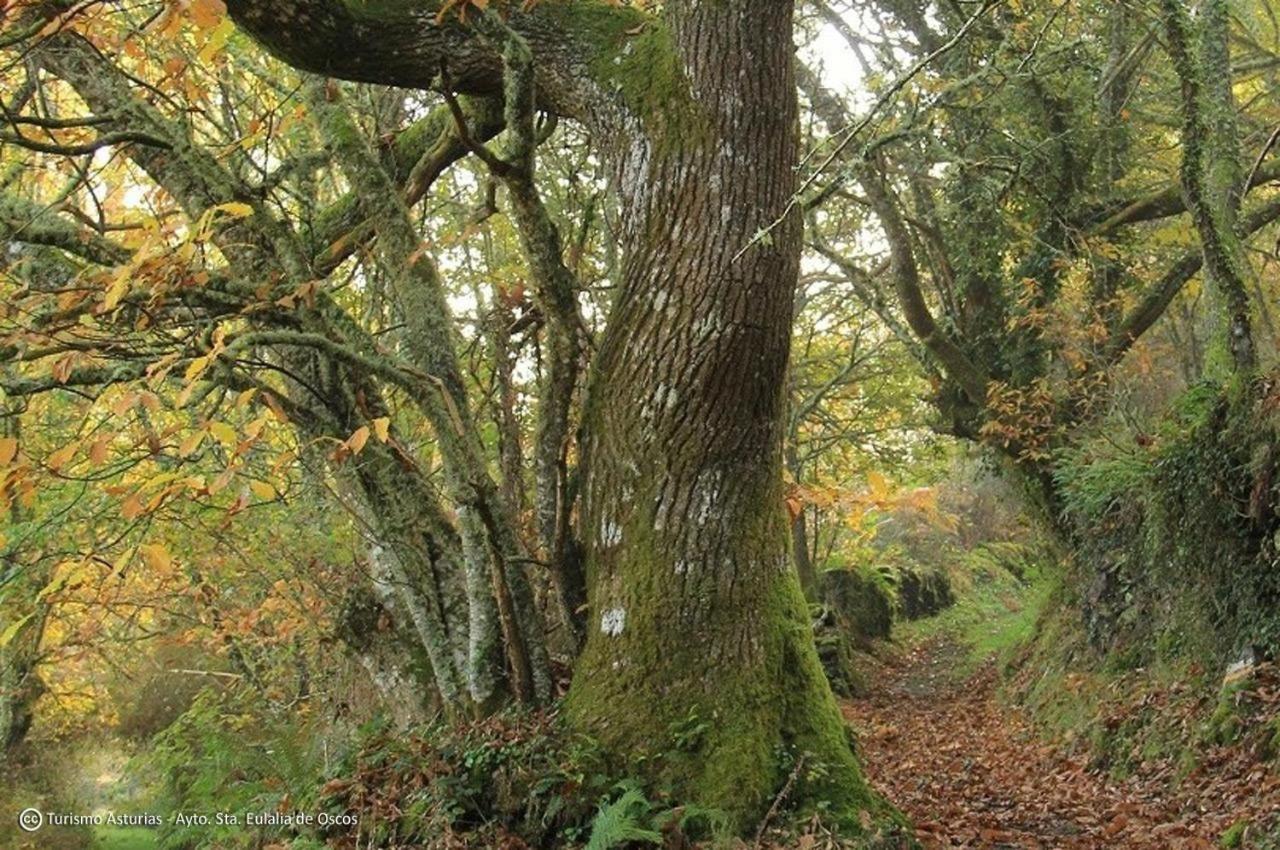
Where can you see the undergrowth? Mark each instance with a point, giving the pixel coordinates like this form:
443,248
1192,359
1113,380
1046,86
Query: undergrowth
1176,530
1001,591
513,780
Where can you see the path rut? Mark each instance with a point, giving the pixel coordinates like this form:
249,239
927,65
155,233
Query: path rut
970,772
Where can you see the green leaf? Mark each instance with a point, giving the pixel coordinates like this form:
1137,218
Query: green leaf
11,632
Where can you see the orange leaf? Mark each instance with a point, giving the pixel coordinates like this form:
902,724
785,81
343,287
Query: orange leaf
98,451
207,13
59,459
357,440
157,557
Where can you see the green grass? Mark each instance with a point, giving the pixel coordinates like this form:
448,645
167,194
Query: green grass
124,838
995,615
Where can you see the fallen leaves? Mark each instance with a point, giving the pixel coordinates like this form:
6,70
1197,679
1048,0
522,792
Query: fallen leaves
971,772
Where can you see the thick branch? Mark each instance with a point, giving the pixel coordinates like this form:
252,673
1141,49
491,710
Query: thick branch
417,157
404,43
906,276
1210,210
1158,297
1168,202
23,221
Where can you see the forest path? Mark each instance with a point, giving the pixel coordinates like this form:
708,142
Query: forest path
970,772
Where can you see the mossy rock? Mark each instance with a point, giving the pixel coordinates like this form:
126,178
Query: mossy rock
860,604
923,593
837,653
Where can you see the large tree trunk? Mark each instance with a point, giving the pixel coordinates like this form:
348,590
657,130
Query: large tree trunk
699,649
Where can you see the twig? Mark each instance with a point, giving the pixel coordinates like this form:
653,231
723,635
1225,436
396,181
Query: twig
208,673
1262,155
777,802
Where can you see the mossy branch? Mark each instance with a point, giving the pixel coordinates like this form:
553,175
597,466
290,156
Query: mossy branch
1223,263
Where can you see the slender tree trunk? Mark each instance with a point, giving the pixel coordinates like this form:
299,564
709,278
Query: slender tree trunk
804,559
20,682
800,548
699,648
1210,168
495,573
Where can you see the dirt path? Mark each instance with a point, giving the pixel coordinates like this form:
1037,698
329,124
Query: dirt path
969,772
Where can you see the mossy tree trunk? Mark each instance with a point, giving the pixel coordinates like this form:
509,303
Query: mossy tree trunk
1210,164
700,650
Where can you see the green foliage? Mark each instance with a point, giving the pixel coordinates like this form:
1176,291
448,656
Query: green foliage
1002,593
510,774
1176,530
687,734
513,775
1234,836
225,755
124,838
626,819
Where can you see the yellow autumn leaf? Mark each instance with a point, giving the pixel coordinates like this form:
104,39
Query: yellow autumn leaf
62,456
191,443
7,636
382,428
123,561
196,367
262,490
878,485
119,286
8,450
234,209
357,440
217,41
223,433
156,556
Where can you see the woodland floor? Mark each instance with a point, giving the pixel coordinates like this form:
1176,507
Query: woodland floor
969,772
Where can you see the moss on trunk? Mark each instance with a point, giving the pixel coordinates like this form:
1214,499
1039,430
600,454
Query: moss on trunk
700,671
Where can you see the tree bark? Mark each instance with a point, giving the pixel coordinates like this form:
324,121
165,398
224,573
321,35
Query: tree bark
699,650
1207,167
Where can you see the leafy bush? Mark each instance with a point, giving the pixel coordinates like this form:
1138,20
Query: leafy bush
1177,529
225,755
511,774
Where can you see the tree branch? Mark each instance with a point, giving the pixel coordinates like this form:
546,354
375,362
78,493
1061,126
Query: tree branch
405,43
